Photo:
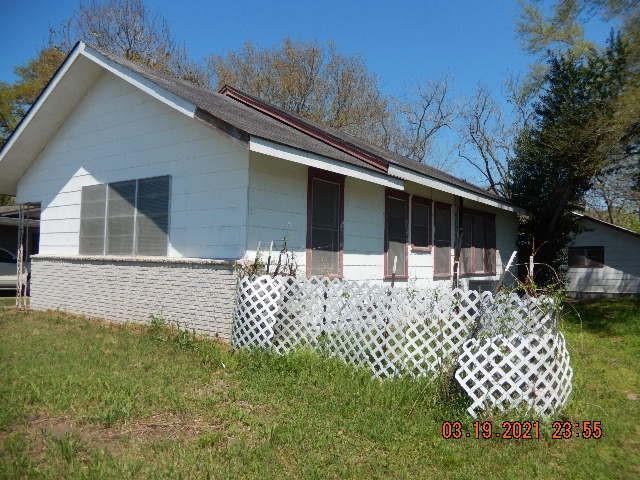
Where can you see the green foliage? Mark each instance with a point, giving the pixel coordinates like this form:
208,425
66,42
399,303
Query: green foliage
124,27
16,98
574,136
559,27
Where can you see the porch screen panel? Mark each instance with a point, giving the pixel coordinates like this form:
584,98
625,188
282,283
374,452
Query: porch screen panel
490,236
479,242
442,240
120,217
92,214
152,222
397,235
326,227
466,256
420,223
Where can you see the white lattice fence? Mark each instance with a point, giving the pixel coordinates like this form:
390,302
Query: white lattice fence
415,332
516,371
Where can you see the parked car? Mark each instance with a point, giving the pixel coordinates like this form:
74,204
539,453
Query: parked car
8,270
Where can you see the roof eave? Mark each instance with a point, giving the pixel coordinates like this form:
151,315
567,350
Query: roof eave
604,223
431,182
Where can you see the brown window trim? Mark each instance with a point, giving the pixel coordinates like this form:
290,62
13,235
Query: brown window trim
314,173
477,275
442,276
595,264
428,203
483,273
389,192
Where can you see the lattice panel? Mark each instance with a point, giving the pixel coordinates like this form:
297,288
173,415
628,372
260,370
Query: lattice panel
406,331
507,372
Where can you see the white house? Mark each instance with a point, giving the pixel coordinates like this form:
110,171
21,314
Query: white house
604,259
150,189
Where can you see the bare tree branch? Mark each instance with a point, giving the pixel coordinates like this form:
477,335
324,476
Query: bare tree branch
487,138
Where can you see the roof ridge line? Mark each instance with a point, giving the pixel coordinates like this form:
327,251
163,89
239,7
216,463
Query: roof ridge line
305,127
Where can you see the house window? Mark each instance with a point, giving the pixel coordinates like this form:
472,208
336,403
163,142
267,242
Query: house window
325,212
478,254
442,240
420,224
586,257
396,235
93,206
125,218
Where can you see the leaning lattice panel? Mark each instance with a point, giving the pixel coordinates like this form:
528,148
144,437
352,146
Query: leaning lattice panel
515,372
507,346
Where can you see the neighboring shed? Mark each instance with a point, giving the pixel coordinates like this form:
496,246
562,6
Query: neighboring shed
604,259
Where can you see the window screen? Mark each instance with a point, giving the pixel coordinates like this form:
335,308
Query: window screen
324,241
125,218
478,243
420,223
586,257
121,207
397,213
490,253
152,222
442,240
92,215
466,254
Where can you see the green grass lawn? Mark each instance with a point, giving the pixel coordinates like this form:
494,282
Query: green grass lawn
83,399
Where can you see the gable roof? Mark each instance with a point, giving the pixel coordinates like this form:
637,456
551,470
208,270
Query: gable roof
612,226
234,111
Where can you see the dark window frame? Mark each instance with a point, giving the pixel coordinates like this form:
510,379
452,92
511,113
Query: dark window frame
136,213
489,248
417,200
589,261
403,196
330,177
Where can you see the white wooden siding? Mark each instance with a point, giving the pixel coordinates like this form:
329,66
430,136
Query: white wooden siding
118,133
278,207
621,272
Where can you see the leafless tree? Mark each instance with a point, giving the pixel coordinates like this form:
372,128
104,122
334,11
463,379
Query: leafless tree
311,80
129,29
423,117
487,135
322,85
613,197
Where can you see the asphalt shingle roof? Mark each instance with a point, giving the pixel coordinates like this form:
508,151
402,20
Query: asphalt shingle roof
256,123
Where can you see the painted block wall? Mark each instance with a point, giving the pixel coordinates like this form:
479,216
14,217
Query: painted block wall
621,271
198,295
116,133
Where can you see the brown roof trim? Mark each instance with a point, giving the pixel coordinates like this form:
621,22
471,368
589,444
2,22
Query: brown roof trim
220,124
304,127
